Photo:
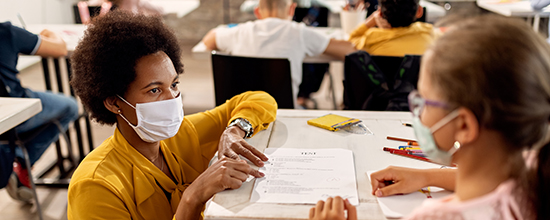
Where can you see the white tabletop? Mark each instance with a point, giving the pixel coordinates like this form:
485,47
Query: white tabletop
434,12
512,8
291,130
14,111
200,51
178,7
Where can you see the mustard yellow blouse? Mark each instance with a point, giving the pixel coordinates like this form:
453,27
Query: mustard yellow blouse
115,181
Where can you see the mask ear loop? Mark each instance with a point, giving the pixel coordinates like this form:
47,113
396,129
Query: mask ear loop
444,121
122,116
125,101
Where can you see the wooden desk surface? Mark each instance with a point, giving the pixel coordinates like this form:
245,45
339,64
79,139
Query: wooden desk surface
291,130
14,111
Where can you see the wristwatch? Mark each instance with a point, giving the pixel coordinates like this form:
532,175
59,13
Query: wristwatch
244,125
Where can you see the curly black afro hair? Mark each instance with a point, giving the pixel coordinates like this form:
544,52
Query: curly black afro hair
399,13
103,64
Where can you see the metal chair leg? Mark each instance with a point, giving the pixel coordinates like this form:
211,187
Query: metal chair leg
331,87
31,180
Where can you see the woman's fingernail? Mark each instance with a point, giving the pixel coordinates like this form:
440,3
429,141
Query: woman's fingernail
379,193
262,174
260,163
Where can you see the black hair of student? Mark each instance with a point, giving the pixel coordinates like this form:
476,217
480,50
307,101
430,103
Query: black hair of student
504,79
103,64
399,13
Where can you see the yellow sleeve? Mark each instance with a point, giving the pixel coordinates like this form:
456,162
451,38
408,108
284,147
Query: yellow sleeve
94,199
357,36
259,108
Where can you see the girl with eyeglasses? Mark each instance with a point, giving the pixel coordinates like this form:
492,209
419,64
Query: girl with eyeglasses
483,103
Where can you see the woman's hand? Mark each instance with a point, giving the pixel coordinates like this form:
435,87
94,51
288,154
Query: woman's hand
232,145
333,209
225,173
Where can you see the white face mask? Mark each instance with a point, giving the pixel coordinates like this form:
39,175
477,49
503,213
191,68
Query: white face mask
157,121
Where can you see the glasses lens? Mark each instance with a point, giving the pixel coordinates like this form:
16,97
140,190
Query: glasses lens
416,103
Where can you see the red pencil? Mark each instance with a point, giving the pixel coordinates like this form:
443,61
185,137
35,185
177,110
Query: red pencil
406,154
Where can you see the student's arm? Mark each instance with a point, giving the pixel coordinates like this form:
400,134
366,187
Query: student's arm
395,180
339,48
210,40
52,45
374,20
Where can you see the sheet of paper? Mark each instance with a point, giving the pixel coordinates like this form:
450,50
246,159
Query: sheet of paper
305,176
399,206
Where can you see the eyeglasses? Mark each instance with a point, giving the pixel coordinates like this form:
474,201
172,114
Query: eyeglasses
417,103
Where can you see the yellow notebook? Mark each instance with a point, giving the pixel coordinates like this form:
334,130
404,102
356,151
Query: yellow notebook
332,122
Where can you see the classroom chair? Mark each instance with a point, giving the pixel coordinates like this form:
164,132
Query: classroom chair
58,81
379,83
234,75
13,140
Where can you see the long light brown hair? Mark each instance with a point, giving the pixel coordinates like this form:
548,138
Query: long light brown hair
499,68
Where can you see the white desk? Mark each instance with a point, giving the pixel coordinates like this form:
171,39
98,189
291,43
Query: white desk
434,12
515,9
178,7
290,130
200,52
14,111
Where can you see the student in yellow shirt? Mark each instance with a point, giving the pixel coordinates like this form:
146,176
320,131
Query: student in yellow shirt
155,166
392,30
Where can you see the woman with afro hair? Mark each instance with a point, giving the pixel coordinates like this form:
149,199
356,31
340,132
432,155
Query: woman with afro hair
155,166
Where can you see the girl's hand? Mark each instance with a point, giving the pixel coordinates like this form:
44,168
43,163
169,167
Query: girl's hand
397,180
232,145
333,209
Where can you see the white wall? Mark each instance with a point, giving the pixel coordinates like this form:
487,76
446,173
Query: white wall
37,11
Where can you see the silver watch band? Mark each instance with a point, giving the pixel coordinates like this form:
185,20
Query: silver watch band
244,125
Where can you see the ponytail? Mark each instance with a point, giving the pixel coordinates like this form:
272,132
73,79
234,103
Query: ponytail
541,180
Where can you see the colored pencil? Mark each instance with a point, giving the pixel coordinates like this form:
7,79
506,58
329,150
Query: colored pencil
405,154
400,139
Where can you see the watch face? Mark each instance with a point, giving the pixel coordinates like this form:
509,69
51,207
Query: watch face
244,125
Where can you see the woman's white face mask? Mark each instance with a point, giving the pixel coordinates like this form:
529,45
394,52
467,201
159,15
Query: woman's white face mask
157,121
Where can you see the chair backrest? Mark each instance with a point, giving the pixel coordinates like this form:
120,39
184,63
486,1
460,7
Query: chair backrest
3,90
379,83
234,75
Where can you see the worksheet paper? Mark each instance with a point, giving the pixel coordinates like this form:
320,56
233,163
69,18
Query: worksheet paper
305,176
399,206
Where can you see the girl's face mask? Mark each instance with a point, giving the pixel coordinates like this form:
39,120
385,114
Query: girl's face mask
424,134
158,120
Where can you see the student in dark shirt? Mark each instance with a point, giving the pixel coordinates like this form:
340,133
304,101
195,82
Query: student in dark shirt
13,41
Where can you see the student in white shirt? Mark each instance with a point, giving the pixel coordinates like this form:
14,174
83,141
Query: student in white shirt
275,35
